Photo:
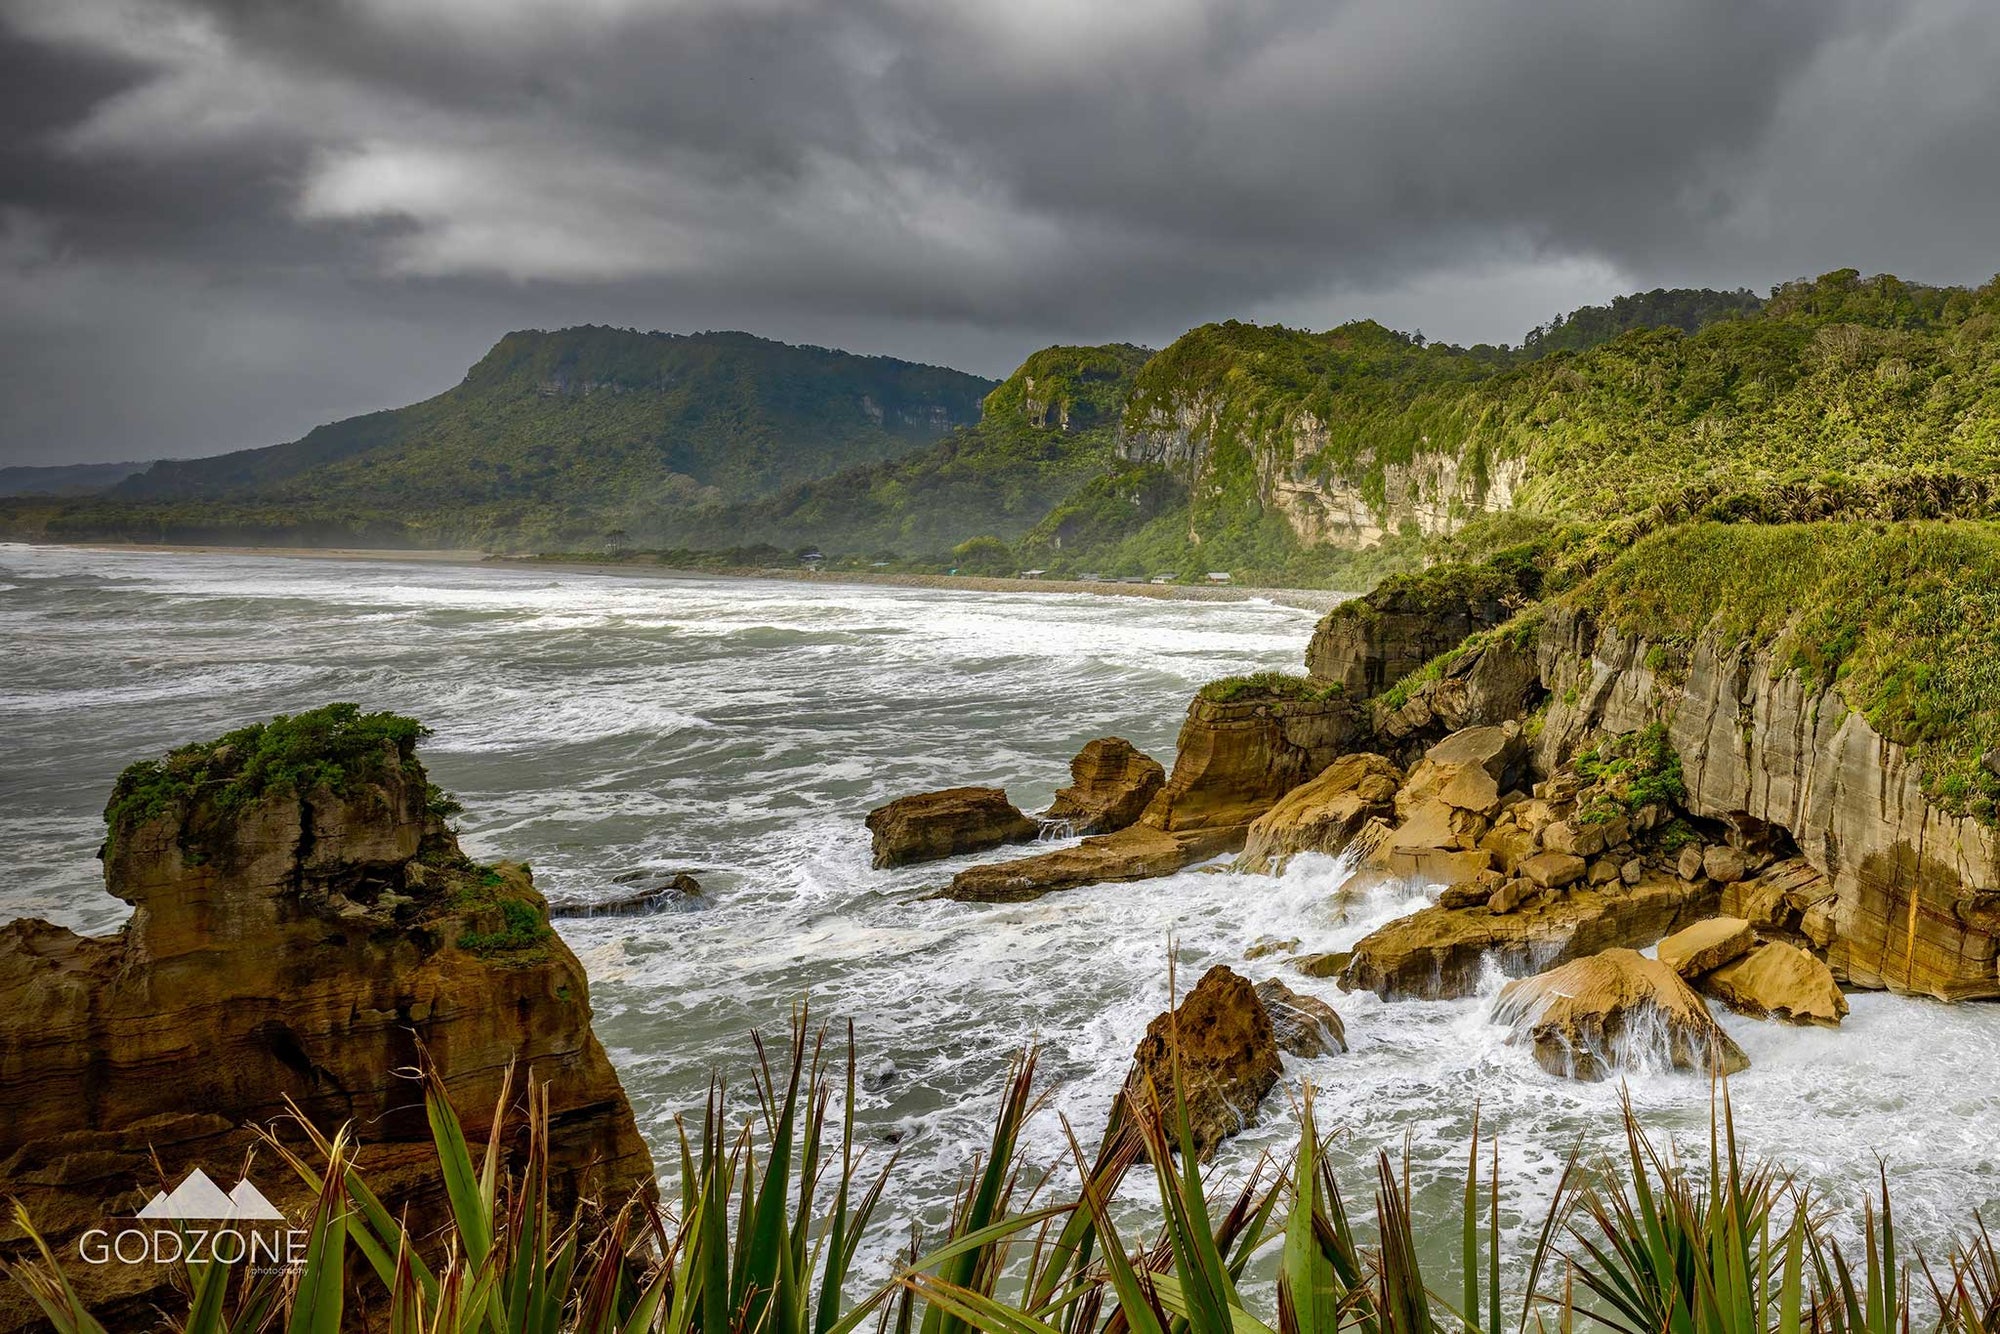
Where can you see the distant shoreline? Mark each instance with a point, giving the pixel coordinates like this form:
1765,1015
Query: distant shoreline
1309,599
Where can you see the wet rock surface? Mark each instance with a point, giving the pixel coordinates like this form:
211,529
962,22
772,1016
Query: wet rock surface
305,944
1779,981
1439,953
1617,1010
1227,1054
933,825
1305,1025
1324,814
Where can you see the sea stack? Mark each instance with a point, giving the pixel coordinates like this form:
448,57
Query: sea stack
304,926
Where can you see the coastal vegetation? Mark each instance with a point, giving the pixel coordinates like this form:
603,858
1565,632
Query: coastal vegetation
1280,455
769,1221
334,746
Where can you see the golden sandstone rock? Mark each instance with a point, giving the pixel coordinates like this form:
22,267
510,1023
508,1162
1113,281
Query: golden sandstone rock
1323,814
1111,782
1227,1059
931,825
1779,981
1706,946
315,945
1439,953
1617,1010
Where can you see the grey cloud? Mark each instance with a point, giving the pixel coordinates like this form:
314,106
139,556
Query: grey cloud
226,221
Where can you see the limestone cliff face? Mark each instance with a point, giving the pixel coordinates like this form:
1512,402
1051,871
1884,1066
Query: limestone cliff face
1356,505
310,944
1918,890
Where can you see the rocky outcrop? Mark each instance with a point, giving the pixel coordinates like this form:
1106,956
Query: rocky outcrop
1617,1010
1440,952
1788,900
1199,430
1111,782
1494,680
304,926
1140,852
1305,1025
1324,814
1374,641
1706,946
1916,891
1221,1042
1779,981
678,892
932,825
1235,757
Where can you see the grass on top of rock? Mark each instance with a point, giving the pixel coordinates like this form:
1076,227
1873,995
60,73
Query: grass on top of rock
524,927
1268,685
1903,619
1517,632
332,746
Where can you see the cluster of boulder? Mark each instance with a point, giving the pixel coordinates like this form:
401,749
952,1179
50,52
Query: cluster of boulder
1576,795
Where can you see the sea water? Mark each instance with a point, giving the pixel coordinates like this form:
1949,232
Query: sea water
596,725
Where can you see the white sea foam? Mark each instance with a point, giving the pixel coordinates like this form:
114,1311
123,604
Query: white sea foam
595,725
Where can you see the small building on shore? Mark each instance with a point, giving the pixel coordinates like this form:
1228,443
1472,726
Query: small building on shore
1218,576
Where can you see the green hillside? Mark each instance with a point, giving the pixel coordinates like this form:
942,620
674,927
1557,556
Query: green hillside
1049,429
579,425
1281,455
1840,382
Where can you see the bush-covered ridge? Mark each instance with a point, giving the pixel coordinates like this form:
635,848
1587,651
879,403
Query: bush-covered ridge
334,746
1903,618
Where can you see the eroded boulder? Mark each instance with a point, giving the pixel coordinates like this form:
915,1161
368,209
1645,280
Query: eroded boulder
931,825
1228,1059
1111,782
1439,953
1617,1010
1706,945
1323,814
1305,1025
1779,981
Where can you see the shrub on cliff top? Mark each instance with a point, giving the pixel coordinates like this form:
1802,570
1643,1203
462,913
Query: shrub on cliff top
331,746
1270,685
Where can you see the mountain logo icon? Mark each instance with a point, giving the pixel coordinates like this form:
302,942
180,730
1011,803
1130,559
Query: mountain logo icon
197,1197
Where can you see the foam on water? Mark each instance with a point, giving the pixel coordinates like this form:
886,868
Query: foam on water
595,724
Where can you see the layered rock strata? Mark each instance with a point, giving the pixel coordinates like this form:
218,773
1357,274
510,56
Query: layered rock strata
1915,890
311,936
1111,783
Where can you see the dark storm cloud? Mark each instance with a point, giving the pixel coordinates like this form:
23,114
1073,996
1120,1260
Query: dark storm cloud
222,222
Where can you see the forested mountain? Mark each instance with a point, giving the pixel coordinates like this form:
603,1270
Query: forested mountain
65,479
548,427
1279,454
1688,309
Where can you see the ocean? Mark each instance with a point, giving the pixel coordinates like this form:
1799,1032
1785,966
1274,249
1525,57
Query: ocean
597,724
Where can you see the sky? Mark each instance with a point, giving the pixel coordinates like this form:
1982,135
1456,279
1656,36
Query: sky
223,222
